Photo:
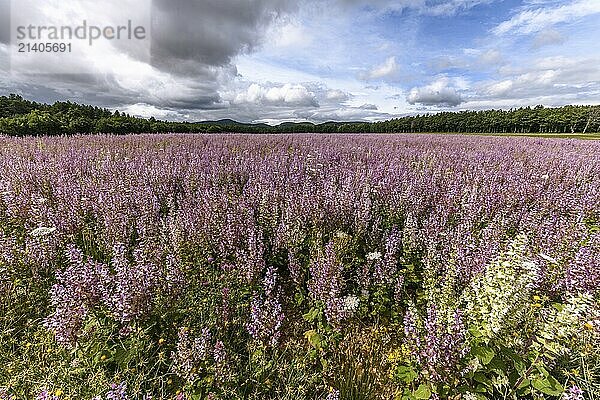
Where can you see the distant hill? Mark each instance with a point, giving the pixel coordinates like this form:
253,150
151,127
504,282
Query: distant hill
231,123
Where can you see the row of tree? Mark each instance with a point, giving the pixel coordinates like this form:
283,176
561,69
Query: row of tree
20,117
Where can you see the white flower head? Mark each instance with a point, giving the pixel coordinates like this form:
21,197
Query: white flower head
374,256
351,303
341,235
42,231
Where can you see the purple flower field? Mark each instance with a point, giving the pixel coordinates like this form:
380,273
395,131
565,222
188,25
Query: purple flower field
299,267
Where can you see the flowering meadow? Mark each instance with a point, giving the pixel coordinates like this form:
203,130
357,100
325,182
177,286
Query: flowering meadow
299,267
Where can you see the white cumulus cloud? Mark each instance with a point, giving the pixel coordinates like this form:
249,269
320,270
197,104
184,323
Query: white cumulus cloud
337,95
441,92
386,70
288,94
536,20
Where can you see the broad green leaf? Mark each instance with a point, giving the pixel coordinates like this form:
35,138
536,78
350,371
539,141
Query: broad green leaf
498,365
482,378
484,354
475,332
549,386
406,374
524,384
480,388
422,392
517,360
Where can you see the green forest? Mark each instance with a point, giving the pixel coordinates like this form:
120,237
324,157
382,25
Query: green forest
21,117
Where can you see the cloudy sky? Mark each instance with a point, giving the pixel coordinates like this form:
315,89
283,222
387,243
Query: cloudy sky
317,60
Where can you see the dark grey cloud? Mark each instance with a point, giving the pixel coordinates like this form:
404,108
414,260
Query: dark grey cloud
4,21
191,35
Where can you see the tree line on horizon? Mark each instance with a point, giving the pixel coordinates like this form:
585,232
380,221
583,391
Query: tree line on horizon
21,117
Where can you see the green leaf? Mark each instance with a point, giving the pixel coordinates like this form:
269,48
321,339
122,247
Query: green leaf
299,297
484,354
549,386
517,360
324,364
481,389
314,338
422,392
312,314
406,374
481,378
498,365
405,396
121,357
543,371
524,384
475,332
